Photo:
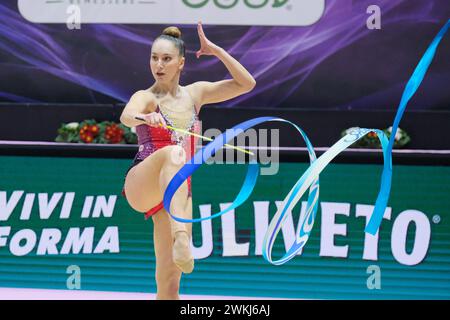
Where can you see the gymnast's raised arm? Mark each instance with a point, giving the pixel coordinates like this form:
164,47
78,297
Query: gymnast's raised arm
214,92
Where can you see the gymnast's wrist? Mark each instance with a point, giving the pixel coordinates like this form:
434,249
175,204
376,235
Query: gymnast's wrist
139,117
217,51
129,119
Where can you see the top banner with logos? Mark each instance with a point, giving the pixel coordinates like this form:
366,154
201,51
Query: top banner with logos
219,12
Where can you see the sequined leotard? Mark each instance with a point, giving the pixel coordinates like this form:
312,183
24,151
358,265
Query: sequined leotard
151,139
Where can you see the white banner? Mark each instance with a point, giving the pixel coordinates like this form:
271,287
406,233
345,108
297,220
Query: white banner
218,12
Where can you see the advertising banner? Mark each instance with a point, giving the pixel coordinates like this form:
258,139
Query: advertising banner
227,12
61,217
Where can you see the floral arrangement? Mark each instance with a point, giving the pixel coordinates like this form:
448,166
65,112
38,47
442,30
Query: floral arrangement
371,140
89,131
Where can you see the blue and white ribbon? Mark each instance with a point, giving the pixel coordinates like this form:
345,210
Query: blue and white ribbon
310,178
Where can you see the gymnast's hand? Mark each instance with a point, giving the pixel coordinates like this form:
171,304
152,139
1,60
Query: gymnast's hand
154,119
207,47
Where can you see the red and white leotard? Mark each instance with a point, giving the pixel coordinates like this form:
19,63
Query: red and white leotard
151,139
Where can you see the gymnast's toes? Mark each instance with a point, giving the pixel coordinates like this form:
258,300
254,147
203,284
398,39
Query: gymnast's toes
181,254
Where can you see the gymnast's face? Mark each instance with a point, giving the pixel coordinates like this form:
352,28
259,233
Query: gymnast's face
165,61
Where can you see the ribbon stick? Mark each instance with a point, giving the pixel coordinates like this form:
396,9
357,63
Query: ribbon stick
310,178
199,136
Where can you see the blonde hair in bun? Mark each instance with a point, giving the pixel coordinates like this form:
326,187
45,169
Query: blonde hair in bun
174,34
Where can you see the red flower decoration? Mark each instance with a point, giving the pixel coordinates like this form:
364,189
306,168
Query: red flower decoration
86,137
94,130
113,133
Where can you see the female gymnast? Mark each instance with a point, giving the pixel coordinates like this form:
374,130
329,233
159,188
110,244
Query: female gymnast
162,151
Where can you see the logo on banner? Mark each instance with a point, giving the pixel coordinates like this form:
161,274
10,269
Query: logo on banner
218,12
227,4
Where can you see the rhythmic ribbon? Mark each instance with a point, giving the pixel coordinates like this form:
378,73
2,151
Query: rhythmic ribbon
310,178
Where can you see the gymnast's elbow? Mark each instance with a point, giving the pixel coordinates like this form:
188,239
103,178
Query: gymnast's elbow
122,119
249,86
125,120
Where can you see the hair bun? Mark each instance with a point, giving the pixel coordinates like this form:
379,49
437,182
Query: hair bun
173,32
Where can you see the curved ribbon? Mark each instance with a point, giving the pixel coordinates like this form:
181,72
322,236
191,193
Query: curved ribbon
310,178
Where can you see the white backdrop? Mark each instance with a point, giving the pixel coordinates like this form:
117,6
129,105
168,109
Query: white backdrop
219,12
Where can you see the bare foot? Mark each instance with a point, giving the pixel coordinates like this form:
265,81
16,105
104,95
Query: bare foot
181,253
